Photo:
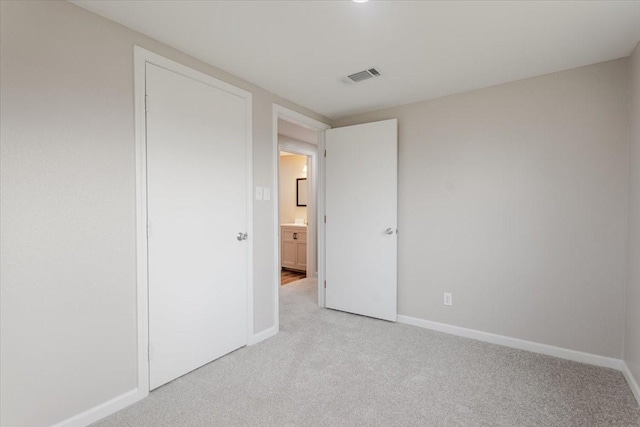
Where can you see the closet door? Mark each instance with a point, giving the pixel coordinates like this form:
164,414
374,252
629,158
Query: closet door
197,214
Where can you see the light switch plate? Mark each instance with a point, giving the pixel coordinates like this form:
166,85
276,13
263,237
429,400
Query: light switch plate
258,193
266,193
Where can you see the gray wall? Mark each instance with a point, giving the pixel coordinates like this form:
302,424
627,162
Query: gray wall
514,198
68,208
632,331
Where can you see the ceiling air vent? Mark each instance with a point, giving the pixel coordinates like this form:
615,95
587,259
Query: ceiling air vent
361,75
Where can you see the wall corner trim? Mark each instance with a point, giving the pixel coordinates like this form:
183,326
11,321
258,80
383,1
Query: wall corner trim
633,383
549,350
261,336
104,409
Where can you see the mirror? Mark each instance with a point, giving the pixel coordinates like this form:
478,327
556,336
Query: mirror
301,192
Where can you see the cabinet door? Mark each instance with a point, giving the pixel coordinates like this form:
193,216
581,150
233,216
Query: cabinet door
302,255
289,254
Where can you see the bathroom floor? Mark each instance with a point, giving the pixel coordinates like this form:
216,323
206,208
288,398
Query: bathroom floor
289,276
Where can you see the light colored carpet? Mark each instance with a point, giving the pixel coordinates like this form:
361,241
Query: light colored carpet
327,368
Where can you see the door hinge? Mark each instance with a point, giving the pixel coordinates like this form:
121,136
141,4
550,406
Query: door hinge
325,219
325,153
325,284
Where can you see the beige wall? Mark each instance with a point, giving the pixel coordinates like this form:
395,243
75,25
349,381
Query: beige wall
514,198
290,170
68,304
632,331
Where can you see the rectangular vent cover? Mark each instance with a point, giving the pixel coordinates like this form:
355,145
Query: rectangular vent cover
361,76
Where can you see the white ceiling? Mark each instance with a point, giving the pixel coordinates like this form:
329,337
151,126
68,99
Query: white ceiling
301,49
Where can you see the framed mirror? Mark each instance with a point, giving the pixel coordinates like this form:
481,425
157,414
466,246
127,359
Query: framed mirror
301,192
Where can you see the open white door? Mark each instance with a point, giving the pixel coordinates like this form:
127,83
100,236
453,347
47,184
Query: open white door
197,214
361,207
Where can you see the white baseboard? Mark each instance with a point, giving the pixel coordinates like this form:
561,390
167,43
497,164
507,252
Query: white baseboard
104,409
549,350
261,336
633,383
120,402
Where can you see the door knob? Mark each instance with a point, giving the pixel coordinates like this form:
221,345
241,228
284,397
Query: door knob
388,231
242,236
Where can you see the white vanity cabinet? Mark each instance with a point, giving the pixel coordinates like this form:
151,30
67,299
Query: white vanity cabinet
294,246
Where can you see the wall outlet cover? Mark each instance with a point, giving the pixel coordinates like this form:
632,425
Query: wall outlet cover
448,298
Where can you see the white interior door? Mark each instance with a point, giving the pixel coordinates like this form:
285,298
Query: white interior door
197,204
361,207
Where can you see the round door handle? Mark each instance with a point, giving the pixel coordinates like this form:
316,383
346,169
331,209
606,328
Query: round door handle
388,231
242,236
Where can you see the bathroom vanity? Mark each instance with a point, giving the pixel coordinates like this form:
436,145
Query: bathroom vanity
294,246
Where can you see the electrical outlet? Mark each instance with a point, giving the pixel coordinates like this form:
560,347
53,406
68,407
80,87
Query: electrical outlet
448,298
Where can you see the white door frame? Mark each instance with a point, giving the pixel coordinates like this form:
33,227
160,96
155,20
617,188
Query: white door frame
317,187
141,57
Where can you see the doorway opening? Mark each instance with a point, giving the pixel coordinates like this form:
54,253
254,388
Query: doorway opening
293,203
298,141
